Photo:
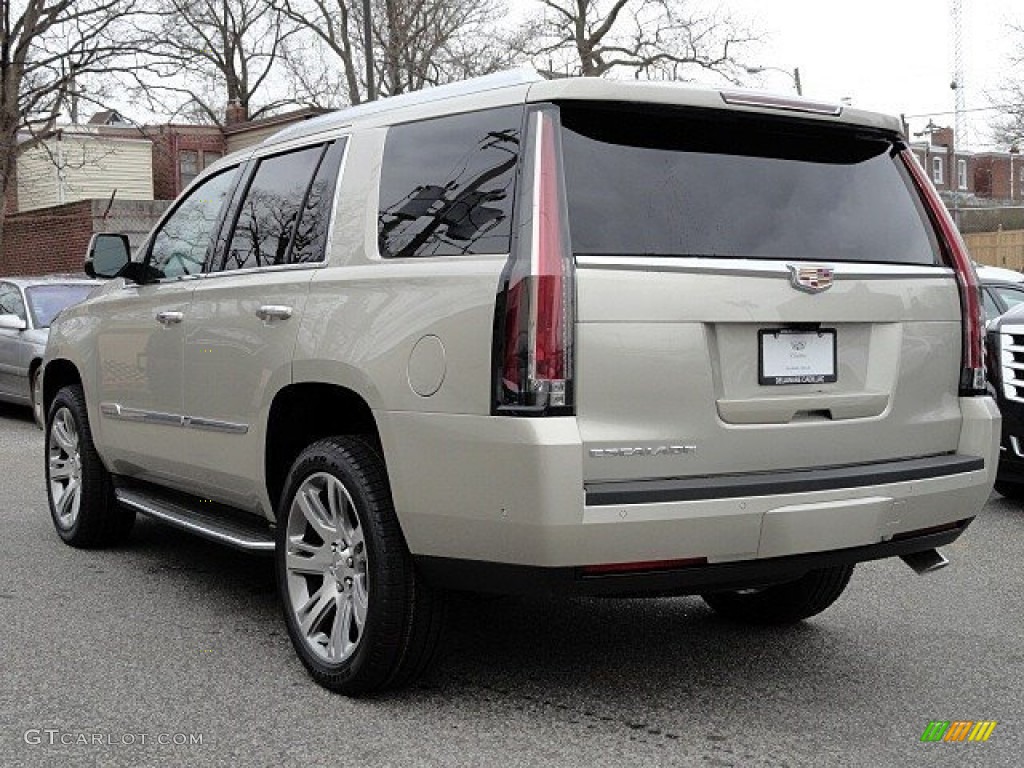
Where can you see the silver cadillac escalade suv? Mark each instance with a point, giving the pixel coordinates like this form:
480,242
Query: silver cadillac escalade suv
527,336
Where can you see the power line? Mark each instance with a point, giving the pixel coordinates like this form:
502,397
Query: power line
994,108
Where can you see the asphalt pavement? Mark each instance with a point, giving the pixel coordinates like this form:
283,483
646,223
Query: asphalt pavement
171,651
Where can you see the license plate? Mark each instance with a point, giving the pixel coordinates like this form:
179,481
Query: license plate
792,356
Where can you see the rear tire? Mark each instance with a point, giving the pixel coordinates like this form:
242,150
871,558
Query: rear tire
359,616
785,603
1010,490
79,489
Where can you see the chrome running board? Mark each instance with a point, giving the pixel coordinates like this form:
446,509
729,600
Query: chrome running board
218,523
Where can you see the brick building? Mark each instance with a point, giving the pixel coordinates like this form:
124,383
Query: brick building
110,176
997,176
949,170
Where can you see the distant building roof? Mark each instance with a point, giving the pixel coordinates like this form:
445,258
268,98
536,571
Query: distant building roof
108,117
284,118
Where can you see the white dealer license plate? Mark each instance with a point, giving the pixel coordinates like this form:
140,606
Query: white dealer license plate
791,356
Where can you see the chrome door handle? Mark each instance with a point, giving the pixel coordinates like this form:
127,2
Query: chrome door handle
169,318
271,312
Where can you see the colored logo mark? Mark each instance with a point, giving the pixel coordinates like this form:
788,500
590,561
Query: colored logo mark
958,730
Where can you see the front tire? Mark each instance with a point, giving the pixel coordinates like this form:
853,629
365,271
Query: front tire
84,509
783,603
359,616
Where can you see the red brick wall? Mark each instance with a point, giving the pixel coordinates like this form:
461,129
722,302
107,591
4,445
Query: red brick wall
168,141
992,176
55,239
47,240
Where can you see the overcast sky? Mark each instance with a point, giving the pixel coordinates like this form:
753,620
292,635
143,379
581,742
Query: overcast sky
891,55
894,56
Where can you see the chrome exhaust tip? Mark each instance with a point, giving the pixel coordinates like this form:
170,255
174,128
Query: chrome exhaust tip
927,561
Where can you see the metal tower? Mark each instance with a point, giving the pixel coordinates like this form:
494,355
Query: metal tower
960,137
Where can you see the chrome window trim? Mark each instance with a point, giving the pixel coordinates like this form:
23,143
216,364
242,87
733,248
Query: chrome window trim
763,267
261,270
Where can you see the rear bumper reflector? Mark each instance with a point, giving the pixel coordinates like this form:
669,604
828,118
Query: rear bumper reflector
647,566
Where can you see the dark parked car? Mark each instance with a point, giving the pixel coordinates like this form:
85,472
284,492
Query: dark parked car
1001,289
1005,355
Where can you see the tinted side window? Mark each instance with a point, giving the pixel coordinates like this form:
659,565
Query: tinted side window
447,185
1010,296
311,234
183,240
991,308
269,214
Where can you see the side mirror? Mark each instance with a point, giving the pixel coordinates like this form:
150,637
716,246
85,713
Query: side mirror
12,323
108,254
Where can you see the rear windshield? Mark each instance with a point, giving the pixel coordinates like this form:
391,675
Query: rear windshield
678,183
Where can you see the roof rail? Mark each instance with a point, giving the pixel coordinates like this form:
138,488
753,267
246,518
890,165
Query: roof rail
505,79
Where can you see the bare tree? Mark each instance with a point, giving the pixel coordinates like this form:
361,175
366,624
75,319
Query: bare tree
1008,129
416,43
50,52
655,39
205,54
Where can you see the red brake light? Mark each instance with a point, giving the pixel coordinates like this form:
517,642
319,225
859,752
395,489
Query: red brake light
972,375
534,320
642,567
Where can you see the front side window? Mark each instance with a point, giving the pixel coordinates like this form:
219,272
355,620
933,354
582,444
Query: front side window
284,215
45,301
447,185
10,301
181,244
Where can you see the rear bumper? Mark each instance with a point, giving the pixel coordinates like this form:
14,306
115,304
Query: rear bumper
503,578
511,492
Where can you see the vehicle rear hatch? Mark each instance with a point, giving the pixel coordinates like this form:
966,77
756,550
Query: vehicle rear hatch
753,293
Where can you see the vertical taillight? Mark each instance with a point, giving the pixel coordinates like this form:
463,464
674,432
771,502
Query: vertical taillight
535,308
972,374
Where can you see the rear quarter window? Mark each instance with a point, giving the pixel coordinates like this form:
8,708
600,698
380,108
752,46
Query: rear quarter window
447,185
688,183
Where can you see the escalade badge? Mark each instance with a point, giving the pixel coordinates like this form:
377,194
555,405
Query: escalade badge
810,279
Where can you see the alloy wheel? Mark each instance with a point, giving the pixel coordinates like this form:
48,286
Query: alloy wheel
65,468
326,568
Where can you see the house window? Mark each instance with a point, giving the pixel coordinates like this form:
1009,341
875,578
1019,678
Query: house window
937,176
188,166
961,174
192,161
